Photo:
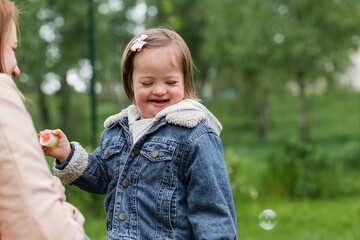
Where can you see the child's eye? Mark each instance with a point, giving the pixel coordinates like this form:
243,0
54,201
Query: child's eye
171,82
147,83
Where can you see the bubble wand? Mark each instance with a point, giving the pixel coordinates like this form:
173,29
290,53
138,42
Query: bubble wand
47,139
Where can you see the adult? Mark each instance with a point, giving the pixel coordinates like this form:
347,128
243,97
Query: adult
31,207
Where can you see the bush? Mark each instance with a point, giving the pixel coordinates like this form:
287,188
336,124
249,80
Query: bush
301,170
242,173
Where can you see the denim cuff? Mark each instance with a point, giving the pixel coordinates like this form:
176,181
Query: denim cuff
58,164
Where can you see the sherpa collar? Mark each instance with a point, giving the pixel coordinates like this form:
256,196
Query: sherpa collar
187,113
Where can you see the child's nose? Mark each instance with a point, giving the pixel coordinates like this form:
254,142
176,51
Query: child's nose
159,90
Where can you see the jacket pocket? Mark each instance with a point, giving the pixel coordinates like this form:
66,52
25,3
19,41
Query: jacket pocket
158,152
111,147
111,154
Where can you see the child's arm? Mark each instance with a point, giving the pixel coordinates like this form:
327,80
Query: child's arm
73,165
211,207
62,149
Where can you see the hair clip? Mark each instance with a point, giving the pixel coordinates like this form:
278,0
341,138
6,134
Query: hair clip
139,43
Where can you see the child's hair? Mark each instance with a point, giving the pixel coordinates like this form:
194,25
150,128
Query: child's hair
160,37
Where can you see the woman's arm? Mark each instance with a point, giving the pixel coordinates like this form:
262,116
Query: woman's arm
30,208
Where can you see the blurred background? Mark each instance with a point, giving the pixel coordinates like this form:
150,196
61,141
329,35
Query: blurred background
282,76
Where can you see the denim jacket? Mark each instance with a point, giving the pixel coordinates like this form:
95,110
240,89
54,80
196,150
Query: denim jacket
171,184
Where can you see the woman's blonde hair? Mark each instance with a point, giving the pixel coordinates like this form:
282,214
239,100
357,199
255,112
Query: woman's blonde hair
8,13
160,37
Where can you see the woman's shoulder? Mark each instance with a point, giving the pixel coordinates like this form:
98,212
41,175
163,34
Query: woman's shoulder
8,86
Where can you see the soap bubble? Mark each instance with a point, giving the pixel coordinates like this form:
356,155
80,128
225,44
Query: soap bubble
267,219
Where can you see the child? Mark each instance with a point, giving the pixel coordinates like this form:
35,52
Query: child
160,161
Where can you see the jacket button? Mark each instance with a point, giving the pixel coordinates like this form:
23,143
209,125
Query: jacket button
155,153
125,183
106,151
122,216
137,151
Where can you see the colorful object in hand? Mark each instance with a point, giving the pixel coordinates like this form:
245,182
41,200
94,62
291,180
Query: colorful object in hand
47,139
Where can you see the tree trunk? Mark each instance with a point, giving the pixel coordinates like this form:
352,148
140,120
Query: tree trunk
65,104
44,115
44,110
303,125
200,83
262,113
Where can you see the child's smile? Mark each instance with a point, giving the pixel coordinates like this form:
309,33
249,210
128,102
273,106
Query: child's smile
159,102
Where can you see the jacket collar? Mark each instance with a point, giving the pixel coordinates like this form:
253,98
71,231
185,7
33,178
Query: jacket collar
187,113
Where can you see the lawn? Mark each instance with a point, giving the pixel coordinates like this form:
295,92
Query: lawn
336,219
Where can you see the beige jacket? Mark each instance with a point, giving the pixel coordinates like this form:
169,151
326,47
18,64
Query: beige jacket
30,208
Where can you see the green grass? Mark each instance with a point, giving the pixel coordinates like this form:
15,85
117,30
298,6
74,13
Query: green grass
95,228
337,219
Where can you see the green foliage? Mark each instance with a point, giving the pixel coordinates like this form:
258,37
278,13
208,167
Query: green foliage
302,170
296,171
350,154
281,166
241,175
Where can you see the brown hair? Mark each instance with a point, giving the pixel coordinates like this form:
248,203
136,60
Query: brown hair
160,37
8,13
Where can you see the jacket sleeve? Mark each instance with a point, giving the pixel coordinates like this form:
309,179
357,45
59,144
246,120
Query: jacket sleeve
210,202
30,208
84,170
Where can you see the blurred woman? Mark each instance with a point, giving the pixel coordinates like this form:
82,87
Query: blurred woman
32,202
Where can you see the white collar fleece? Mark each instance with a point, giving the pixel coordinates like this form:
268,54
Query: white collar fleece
187,113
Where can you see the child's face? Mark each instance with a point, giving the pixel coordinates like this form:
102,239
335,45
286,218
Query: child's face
157,82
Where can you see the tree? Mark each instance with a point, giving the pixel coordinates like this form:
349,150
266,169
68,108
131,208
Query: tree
282,39
239,38
54,41
317,34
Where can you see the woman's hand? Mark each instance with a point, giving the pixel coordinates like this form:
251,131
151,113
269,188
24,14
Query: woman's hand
62,149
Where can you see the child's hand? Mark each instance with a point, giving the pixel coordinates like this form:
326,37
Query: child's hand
62,149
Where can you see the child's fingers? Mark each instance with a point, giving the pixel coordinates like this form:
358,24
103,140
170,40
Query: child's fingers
46,150
57,133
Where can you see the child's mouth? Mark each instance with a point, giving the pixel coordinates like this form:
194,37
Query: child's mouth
159,101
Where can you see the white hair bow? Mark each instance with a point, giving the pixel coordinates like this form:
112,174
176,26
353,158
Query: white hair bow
139,43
